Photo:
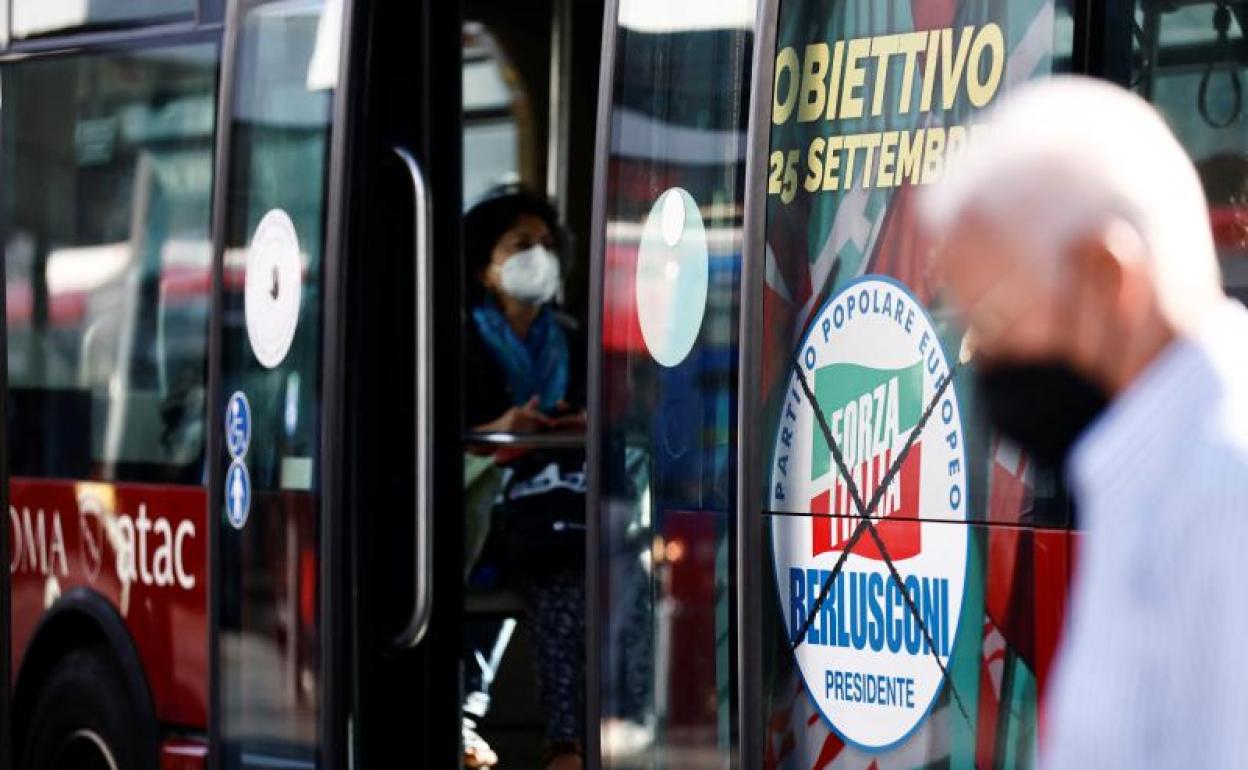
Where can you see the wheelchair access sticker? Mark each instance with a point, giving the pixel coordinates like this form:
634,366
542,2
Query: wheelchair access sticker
870,424
237,425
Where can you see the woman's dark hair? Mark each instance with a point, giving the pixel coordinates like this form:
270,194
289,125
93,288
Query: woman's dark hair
493,215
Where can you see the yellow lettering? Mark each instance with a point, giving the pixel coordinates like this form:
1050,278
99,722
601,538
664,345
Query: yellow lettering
814,165
869,143
888,159
934,155
781,109
832,162
814,70
855,77
929,69
852,143
910,156
909,45
834,92
990,39
881,48
952,70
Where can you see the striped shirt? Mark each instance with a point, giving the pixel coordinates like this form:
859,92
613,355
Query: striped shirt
1153,667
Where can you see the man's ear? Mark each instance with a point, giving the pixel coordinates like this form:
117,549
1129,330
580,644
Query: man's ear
1097,273
1098,265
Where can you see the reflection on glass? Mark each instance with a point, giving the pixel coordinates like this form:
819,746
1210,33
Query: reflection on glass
669,341
107,256
269,645
1190,62
870,98
37,17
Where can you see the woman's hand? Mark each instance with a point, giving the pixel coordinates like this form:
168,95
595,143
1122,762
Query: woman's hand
527,418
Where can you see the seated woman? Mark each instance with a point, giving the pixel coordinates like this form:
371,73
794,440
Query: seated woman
524,369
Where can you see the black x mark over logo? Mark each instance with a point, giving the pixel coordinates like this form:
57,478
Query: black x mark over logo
867,526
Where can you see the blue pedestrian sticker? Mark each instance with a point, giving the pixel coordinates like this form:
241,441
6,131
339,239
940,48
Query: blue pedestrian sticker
237,494
237,425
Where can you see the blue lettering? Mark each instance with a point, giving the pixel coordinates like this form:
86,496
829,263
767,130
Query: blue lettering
797,601
812,590
931,618
827,613
913,632
944,617
842,637
894,628
875,634
858,609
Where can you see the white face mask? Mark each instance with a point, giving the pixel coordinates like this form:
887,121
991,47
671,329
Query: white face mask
530,276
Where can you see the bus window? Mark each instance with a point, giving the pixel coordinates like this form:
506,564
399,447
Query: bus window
107,253
1190,63
917,562
674,191
496,116
107,176
40,17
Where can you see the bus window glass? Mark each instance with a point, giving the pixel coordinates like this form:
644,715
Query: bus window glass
1190,62
107,255
495,108
858,355
40,17
672,257
280,120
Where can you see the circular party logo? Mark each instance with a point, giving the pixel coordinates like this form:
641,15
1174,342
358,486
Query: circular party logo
872,639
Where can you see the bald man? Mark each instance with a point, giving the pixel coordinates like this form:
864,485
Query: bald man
1075,245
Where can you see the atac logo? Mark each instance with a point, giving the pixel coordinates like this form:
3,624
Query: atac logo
871,654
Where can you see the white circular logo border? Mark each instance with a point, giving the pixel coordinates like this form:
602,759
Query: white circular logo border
778,518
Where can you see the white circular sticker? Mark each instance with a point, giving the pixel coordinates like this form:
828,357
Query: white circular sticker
871,660
673,270
274,288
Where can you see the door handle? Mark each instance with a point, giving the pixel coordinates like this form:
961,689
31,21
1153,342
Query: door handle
422,579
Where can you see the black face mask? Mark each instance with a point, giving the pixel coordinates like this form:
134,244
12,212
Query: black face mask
1042,407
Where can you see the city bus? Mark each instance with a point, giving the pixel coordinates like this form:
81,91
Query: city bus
235,438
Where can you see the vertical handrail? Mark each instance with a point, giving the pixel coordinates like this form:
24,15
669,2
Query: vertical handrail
422,584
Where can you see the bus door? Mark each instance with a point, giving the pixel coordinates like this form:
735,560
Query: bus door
332,219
